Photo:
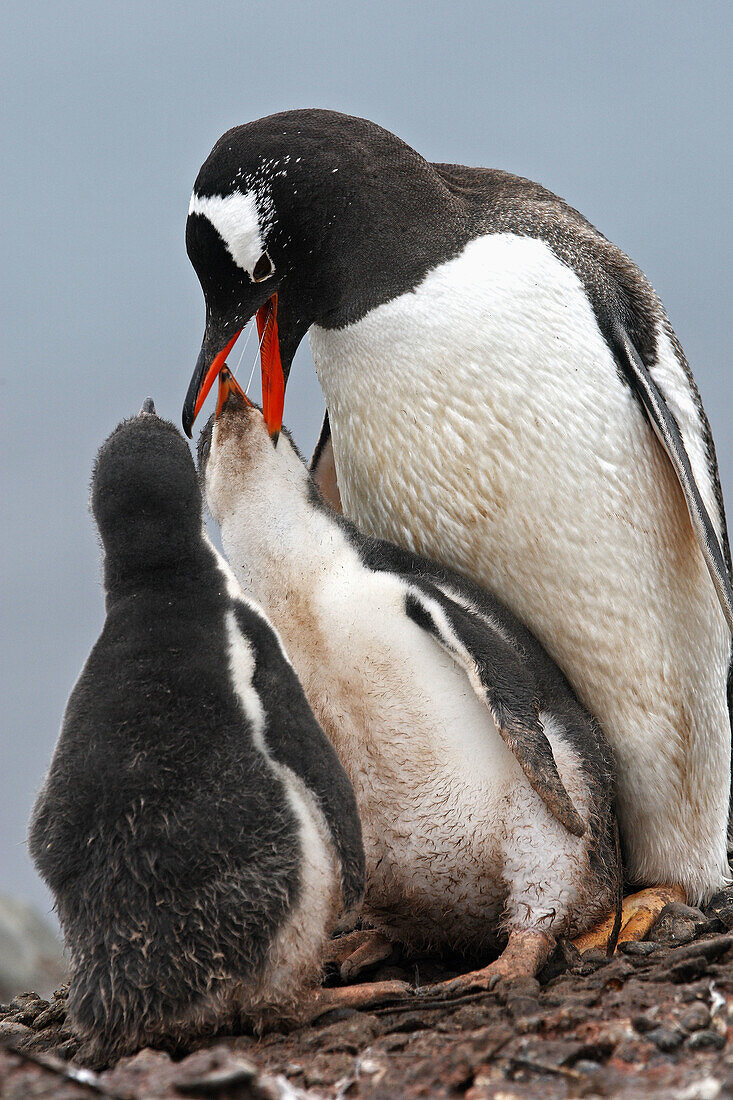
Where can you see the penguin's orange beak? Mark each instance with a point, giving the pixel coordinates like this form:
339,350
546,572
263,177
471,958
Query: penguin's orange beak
211,375
228,385
273,379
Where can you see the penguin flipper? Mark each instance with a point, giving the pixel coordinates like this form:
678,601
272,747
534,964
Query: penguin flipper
669,435
323,467
502,681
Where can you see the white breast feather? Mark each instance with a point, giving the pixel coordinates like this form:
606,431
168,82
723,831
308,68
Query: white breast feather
480,419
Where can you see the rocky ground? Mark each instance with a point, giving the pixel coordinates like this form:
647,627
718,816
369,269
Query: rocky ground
656,1020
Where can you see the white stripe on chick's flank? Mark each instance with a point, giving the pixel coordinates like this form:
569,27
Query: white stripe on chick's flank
297,949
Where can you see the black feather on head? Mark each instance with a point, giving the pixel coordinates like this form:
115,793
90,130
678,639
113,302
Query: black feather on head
145,496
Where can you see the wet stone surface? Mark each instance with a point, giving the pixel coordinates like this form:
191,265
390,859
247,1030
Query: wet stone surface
654,1021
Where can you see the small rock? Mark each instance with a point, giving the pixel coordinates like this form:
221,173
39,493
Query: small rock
350,1035
711,949
30,1013
674,930
54,1014
551,1052
66,1050
666,1039
712,925
410,1021
721,907
335,1016
590,961
23,1000
696,1017
645,1022
523,987
586,1065
614,973
468,1017
638,948
12,1032
233,1075
688,970
572,957
681,911
529,1024
522,1006
706,1040
391,1043
326,1069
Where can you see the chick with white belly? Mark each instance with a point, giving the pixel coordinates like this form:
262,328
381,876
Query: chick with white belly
484,788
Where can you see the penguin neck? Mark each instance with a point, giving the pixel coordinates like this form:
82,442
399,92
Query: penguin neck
154,565
372,244
278,533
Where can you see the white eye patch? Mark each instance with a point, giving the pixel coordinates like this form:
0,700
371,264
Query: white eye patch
236,219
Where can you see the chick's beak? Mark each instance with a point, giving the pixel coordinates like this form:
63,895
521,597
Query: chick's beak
228,386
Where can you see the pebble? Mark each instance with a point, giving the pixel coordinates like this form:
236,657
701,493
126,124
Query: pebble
9,1029
645,1022
586,1065
666,1039
706,1040
67,1049
675,931
687,970
237,1073
522,1006
709,949
24,1000
54,1014
696,1017
468,1017
682,912
721,907
638,948
30,1013
410,1021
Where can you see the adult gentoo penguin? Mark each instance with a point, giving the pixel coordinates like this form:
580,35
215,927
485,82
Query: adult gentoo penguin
484,788
505,394
195,827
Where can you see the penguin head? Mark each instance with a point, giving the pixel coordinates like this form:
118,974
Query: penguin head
145,496
304,217
239,460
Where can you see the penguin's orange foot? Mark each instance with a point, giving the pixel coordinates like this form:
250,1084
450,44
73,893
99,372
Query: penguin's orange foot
525,954
638,915
357,951
367,995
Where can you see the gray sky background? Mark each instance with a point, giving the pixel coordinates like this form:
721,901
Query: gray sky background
623,108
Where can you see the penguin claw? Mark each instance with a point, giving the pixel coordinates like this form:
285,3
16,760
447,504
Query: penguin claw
357,951
525,954
639,913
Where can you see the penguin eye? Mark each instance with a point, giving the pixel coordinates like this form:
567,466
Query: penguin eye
263,269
